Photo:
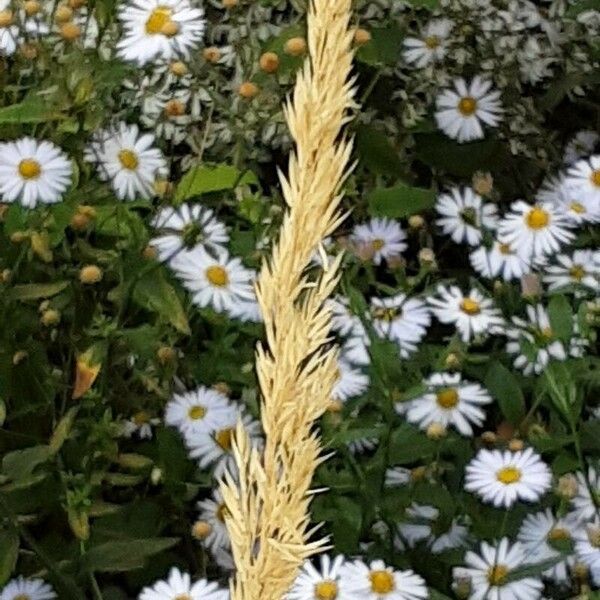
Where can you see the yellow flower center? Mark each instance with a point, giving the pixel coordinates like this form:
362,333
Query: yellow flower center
504,249
29,168
159,17
537,218
196,412
174,108
22,597
432,41
141,417
497,574
467,106
382,582
222,512
326,590
558,533
6,18
387,314
182,597
128,159
217,276
224,438
595,178
547,333
578,208
508,475
593,534
377,244
577,272
470,306
447,398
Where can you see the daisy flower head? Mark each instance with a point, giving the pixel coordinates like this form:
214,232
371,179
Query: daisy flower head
401,319
355,349
583,144
502,478
533,341
535,230
27,589
576,207
324,583
430,46
584,178
351,382
584,506
214,280
140,424
473,315
199,411
379,239
343,321
213,513
8,29
154,29
587,547
376,581
450,402
461,111
33,172
397,476
128,160
463,214
489,573
500,260
579,271
186,227
179,585
545,537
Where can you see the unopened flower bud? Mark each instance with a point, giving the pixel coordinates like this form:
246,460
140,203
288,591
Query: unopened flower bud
515,445
211,54
178,68
426,256
462,587
19,356
335,406
156,476
6,18
79,221
567,486
165,355
5,276
90,274
222,388
489,438
32,7
150,252
505,431
361,37
530,285
483,183
269,62
50,317
70,31
436,431
416,221
29,51
19,236
63,13
75,4
201,530
248,90
229,4
452,361
295,46
418,473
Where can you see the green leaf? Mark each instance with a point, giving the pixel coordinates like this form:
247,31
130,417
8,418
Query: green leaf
383,48
376,152
9,551
505,388
154,293
580,6
31,110
118,556
400,201
212,178
408,444
34,291
561,318
19,464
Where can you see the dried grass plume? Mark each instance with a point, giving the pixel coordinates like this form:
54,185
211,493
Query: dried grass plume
268,507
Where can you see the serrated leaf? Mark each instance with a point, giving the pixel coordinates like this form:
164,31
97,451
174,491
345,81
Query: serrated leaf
35,291
400,201
31,110
125,555
212,178
504,387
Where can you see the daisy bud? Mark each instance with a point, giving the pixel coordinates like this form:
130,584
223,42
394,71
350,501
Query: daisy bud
90,274
19,356
70,31
426,256
174,108
170,28
156,476
416,221
32,7
530,285
483,183
515,445
3,211
222,388
150,252
452,361
87,367
63,13
229,4
418,473
436,431
335,406
45,305
361,37
395,262
269,62
248,90
211,54
6,18
505,431
50,317
201,530
178,68
79,221
364,251
165,355
580,571
79,523
489,438
567,486
19,236
163,187
29,51
462,587
5,276
295,46
75,4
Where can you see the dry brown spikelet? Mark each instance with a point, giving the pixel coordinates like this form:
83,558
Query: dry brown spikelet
269,522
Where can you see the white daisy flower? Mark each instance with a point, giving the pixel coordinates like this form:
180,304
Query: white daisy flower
460,111
159,29
583,144
533,341
127,160
376,581
355,350
319,584
185,227
584,178
397,476
502,478
351,382
500,260
430,46
32,171
343,321
214,512
449,401
464,214
457,536
215,448
379,239
362,445
577,208
202,410
473,315
401,319
543,537
587,547
584,506
8,29
218,281
489,573
179,585
141,424
27,589
579,270
246,311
